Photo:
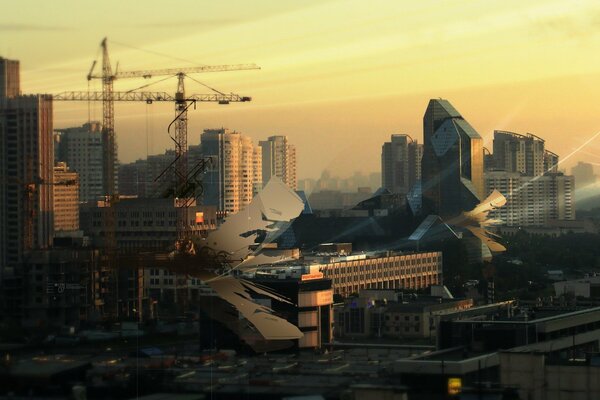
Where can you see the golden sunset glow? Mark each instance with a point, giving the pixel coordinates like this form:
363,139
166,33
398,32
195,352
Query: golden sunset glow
337,77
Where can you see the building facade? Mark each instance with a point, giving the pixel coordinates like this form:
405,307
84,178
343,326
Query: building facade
393,314
401,163
525,154
231,185
353,273
26,170
452,164
279,159
584,174
60,287
66,198
532,201
147,226
151,177
81,148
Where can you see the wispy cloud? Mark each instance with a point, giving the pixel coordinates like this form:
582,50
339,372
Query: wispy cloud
4,27
196,23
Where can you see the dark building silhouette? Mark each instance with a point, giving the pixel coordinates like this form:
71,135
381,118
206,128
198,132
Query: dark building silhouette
26,173
400,163
452,164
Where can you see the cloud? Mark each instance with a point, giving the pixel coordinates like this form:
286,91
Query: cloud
575,25
30,28
196,23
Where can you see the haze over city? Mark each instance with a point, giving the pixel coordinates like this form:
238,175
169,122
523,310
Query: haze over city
337,77
325,200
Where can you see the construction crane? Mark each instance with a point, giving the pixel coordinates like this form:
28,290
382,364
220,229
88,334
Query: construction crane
182,104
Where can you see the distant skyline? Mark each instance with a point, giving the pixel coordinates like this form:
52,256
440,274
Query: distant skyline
338,77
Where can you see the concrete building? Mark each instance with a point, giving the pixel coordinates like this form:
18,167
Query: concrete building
81,148
584,174
588,287
471,344
337,200
532,201
66,198
550,162
401,164
392,314
60,287
526,154
538,376
148,226
279,159
26,170
355,272
311,297
142,178
238,176
452,164
10,78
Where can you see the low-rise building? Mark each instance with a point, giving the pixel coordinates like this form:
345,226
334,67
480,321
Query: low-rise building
311,300
588,287
393,314
355,272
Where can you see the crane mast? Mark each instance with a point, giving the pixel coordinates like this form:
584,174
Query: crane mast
109,276
181,148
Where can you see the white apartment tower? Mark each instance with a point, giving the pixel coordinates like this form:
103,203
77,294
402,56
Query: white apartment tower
238,174
279,159
526,154
532,201
81,149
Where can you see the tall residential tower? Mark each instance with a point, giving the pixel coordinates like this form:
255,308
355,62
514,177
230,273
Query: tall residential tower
279,159
238,174
26,170
401,164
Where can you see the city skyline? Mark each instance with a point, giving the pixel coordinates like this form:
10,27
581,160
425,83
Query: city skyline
359,78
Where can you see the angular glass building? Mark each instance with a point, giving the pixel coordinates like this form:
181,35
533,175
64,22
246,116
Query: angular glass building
452,164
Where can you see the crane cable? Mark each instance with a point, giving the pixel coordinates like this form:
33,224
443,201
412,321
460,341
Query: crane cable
205,85
158,53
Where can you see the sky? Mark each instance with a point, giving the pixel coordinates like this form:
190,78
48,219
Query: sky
337,77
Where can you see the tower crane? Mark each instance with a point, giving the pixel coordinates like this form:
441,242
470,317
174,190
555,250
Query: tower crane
181,106
182,103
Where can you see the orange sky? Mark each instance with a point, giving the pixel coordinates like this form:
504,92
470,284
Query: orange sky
338,77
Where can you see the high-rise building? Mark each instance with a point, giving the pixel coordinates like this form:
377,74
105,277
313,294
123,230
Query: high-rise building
550,162
26,170
66,198
279,159
10,80
401,163
238,174
151,177
81,149
532,201
526,154
584,174
452,164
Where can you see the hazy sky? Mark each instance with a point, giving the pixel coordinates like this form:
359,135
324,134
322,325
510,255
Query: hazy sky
338,77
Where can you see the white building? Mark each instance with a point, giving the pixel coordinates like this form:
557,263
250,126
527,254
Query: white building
532,201
279,159
81,149
238,174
